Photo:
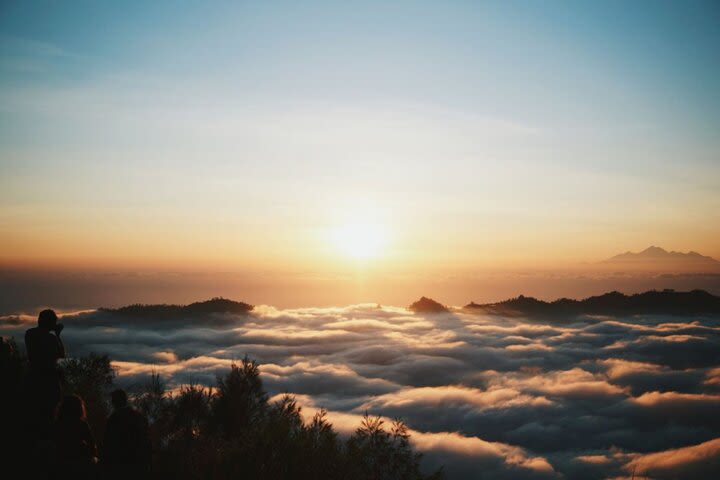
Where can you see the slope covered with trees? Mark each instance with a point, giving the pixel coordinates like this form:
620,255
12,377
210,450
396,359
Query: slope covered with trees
665,302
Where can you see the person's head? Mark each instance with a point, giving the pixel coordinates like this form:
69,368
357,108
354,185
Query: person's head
72,408
119,399
47,319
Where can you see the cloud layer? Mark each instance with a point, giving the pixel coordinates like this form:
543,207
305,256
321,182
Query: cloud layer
488,397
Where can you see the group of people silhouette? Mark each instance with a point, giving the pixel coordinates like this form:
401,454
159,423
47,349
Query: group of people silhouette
58,424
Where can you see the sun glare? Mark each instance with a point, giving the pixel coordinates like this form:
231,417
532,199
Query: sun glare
360,240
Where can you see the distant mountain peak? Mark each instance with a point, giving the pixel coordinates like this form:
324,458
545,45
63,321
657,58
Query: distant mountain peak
428,305
657,257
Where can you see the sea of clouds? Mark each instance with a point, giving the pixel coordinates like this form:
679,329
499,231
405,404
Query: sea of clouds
485,396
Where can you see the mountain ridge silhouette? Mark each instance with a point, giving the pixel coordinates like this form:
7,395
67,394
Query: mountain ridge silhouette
213,305
667,301
659,254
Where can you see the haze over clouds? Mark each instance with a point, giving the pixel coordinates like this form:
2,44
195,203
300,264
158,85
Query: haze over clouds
509,398
27,291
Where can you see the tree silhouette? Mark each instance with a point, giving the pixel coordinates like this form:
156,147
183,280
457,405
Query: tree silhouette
229,431
91,378
380,454
240,401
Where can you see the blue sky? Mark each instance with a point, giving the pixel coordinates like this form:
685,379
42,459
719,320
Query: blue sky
122,123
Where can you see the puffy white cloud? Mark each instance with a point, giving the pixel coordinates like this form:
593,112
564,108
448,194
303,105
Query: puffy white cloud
484,395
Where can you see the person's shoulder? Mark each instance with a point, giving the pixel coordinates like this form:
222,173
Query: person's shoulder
37,332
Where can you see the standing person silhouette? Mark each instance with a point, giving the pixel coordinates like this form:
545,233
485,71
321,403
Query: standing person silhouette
44,348
75,449
127,452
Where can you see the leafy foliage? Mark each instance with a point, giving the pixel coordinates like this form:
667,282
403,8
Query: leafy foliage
234,431
91,377
240,403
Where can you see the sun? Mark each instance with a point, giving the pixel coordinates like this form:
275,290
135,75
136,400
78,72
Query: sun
360,240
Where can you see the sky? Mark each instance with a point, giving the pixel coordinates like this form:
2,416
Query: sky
331,138
307,157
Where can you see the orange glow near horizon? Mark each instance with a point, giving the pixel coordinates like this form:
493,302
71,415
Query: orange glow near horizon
337,247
